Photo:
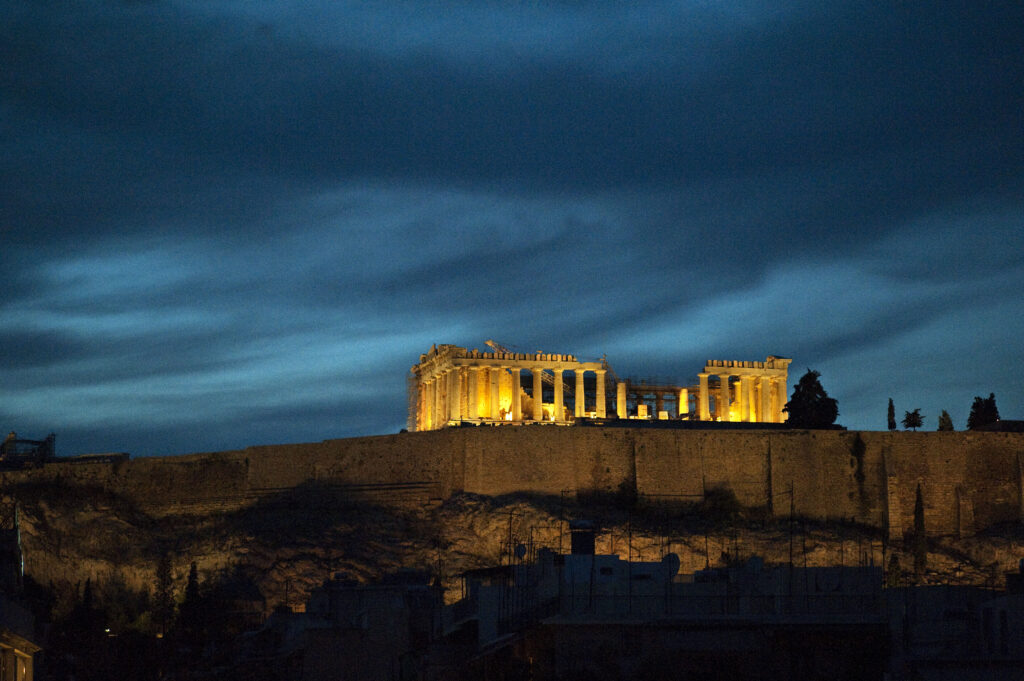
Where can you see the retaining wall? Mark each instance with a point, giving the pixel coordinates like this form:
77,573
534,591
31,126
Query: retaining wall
969,481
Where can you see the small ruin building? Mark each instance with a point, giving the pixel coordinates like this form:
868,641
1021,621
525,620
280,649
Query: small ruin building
452,386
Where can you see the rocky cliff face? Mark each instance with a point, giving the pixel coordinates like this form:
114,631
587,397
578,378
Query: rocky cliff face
290,542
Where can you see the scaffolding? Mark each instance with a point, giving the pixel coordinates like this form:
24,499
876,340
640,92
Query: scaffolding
19,452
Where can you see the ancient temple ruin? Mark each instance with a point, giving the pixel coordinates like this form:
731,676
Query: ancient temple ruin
452,385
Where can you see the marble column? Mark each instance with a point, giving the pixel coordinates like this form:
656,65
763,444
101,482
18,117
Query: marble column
620,399
517,402
495,379
741,389
538,394
764,385
440,382
723,398
750,413
684,403
455,403
703,403
428,405
602,407
559,396
421,407
473,392
446,397
486,410
580,398
659,404
435,406
742,398
779,401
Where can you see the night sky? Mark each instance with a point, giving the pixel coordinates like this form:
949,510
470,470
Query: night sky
234,223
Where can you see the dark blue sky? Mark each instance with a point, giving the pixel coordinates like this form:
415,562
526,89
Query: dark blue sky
234,223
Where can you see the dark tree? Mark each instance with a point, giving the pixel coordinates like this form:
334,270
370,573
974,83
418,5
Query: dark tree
192,586
945,422
87,599
920,542
85,620
983,412
163,607
893,574
892,415
913,419
191,614
810,406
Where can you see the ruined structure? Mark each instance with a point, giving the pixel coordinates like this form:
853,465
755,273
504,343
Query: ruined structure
17,452
452,385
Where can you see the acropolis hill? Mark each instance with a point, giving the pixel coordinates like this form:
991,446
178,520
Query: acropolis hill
970,480
295,513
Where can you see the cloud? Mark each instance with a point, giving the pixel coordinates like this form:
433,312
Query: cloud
236,216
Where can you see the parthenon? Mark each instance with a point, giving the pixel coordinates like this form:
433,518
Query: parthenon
452,386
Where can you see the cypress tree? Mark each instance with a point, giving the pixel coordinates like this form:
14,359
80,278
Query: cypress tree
983,412
893,574
810,406
164,607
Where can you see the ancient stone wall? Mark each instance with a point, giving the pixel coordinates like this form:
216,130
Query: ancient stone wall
969,481
545,460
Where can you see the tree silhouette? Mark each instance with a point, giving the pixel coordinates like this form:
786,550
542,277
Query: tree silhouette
892,415
192,586
163,610
945,422
913,420
983,412
810,406
893,574
191,623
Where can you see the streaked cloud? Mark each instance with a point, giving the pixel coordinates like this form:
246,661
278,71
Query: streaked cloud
239,222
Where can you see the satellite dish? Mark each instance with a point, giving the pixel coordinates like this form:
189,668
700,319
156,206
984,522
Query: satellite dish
671,563
520,551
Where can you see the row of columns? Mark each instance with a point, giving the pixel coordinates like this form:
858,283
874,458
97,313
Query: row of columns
759,398
440,398
680,395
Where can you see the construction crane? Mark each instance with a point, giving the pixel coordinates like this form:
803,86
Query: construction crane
548,379
495,346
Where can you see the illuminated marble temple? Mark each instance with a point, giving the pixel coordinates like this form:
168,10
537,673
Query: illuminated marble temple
452,386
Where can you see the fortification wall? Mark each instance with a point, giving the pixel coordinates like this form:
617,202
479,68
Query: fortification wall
685,464
545,460
827,474
969,481
391,469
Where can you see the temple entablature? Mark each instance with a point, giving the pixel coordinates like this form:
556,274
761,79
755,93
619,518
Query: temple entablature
772,366
452,385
